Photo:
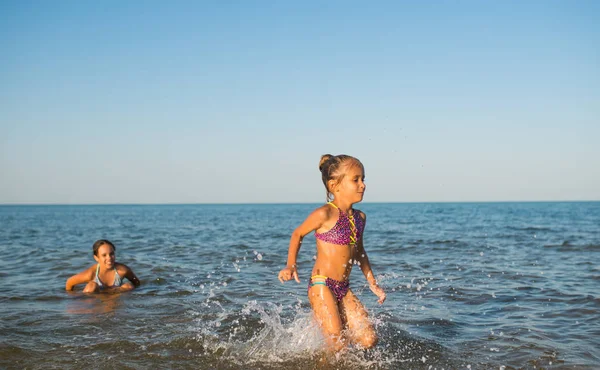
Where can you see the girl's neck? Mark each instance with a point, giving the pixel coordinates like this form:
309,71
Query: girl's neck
343,206
103,268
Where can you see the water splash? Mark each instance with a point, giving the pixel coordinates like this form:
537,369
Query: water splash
261,333
270,335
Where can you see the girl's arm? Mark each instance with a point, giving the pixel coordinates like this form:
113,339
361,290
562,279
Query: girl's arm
312,222
130,275
80,278
363,260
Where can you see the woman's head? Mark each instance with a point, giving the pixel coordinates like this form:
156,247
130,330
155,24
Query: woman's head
100,243
333,169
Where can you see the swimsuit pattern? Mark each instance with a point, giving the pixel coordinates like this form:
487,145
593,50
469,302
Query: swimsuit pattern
341,233
338,288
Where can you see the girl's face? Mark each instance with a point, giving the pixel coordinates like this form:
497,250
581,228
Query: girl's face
106,256
352,187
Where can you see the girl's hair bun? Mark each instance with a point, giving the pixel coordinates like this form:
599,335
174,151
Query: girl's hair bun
324,158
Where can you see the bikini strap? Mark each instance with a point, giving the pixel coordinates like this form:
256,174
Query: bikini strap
118,279
96,278
352,229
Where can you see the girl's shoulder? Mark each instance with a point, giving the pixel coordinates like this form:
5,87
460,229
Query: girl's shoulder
320,215
121,268
325,211
91,270
361,214
88,273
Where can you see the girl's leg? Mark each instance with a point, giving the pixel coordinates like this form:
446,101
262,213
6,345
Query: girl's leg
91,287
360,329
326,312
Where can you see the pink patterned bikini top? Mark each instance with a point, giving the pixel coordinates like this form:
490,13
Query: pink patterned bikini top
346,230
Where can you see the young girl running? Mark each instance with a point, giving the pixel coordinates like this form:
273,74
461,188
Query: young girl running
338,230
107,275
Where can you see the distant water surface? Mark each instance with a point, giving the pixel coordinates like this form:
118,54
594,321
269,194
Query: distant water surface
470,285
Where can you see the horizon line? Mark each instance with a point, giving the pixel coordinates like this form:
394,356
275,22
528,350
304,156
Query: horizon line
284,203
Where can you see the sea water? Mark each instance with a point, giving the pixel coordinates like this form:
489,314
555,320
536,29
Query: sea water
469,286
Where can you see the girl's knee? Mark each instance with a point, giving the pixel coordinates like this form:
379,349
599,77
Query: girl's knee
91,287
337,342
368,340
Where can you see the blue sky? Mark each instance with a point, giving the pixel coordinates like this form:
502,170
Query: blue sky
235,101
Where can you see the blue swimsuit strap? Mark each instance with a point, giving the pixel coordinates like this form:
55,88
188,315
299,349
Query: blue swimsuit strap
117,282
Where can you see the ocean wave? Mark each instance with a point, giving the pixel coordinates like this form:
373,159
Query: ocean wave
529,228
567,246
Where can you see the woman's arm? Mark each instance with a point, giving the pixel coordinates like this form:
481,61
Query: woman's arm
80,278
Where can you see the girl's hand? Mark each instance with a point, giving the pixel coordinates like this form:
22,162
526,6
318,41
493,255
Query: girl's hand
378,292
289,273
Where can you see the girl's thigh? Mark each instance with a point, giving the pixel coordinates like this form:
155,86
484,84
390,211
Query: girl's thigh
325,308
360,328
